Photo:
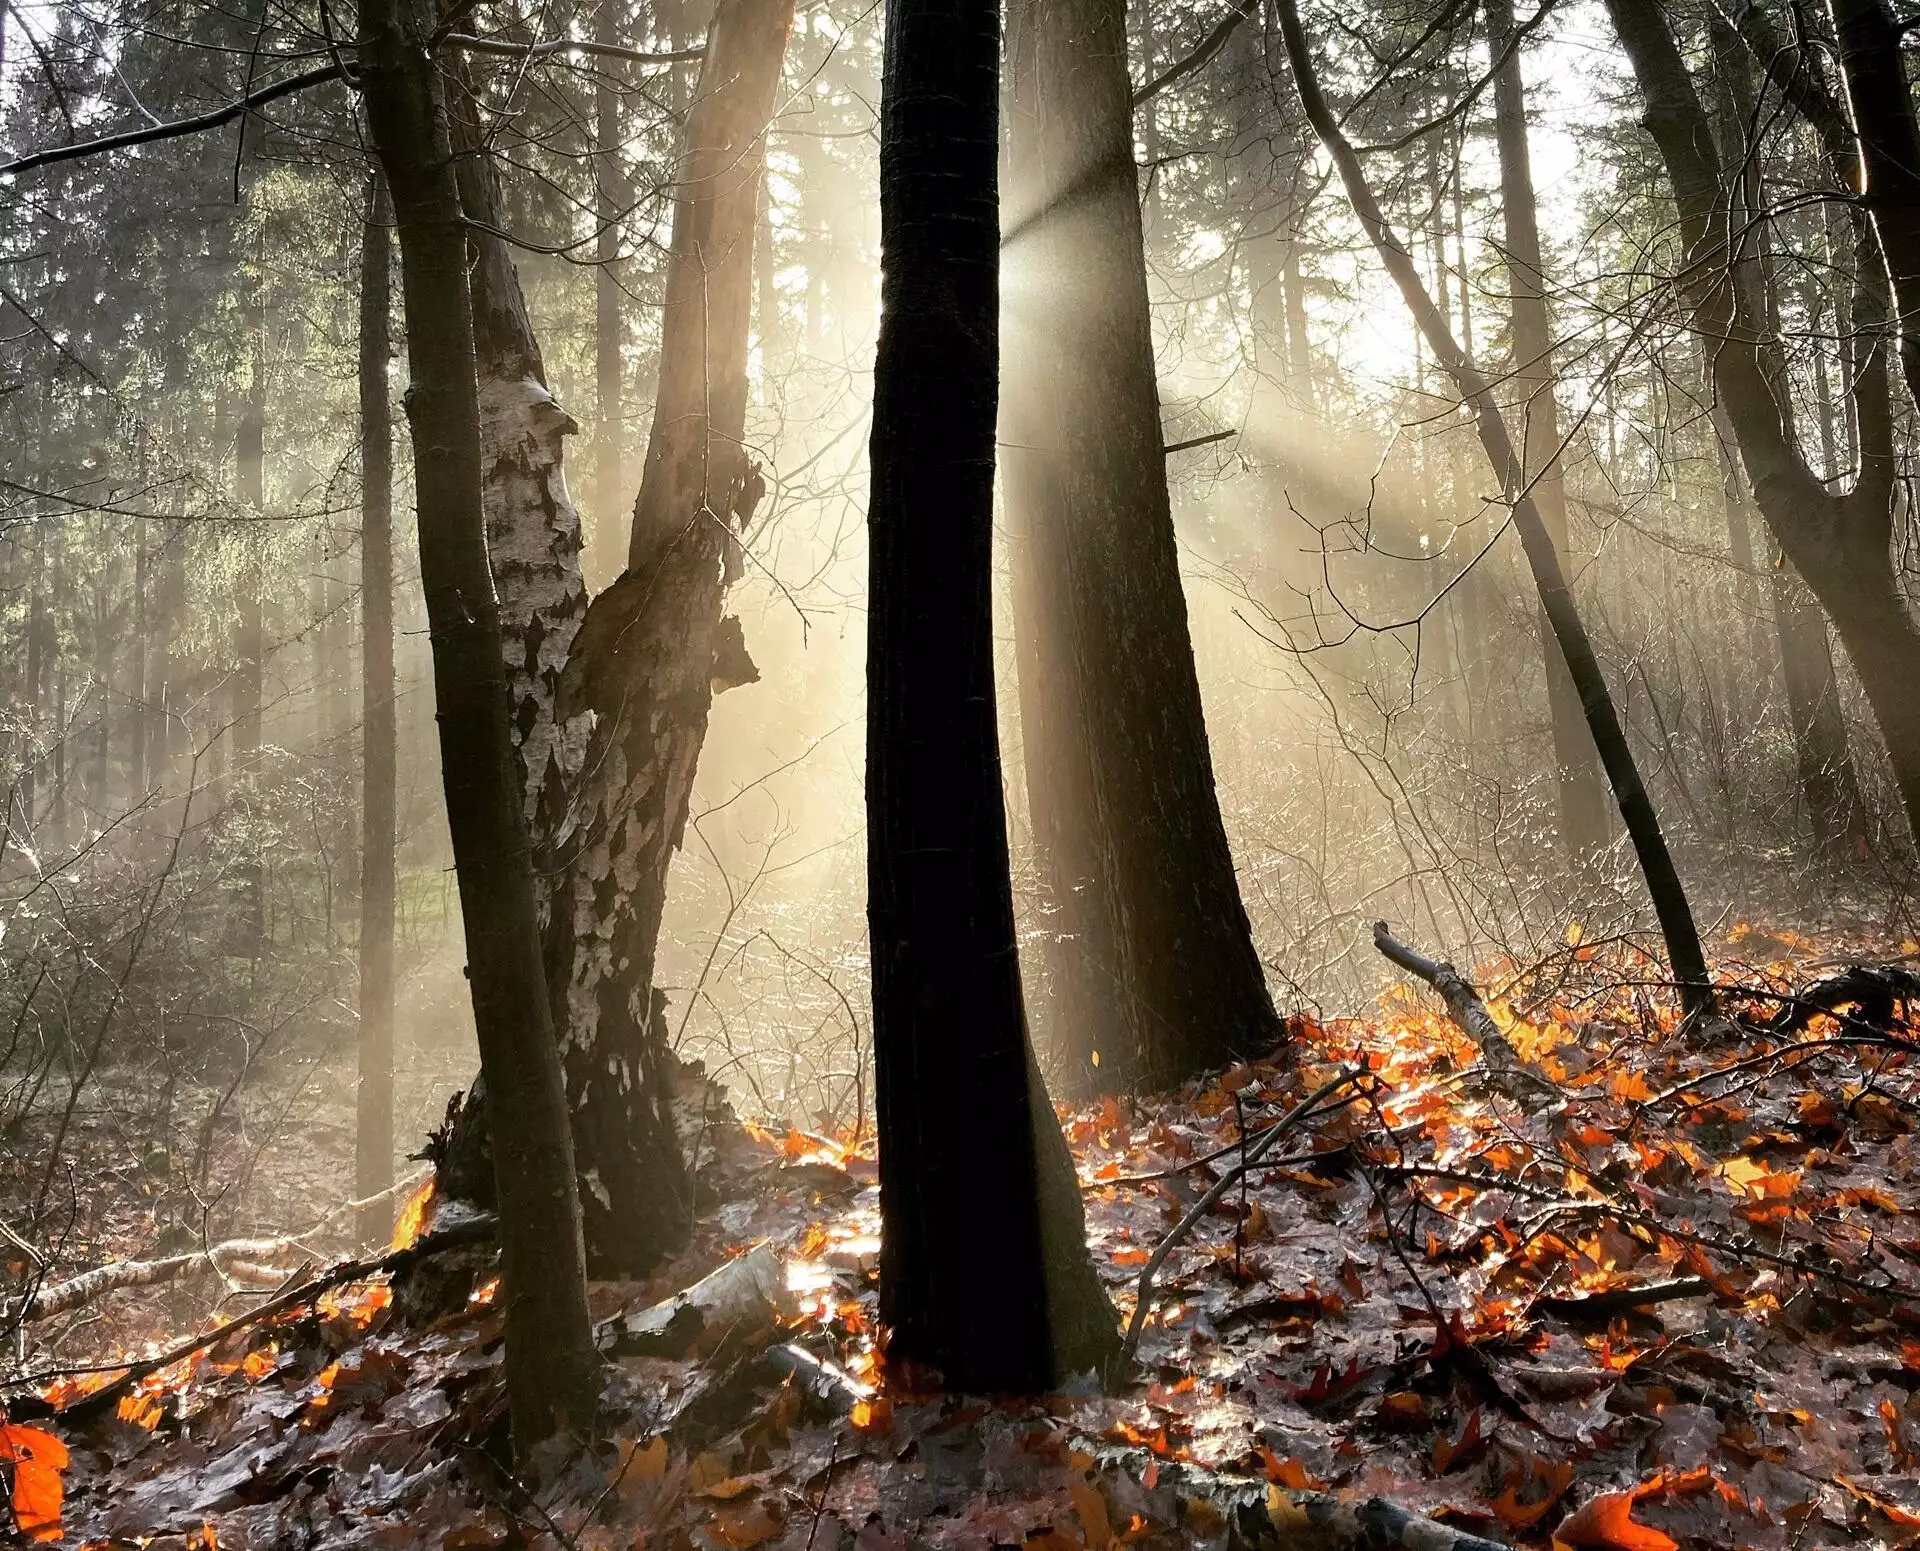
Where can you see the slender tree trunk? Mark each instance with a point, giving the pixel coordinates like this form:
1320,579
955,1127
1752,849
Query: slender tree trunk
1840,543
373,1144
552,1378
970,1154
610,475
1583,798
249,636
138,776
1873,60
39,632
1603,720
1154,966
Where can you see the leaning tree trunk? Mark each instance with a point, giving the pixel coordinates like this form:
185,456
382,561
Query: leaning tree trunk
1153,959
1840,543
642,669
1664,888
1583,798
373,1136
970,1153
551,1365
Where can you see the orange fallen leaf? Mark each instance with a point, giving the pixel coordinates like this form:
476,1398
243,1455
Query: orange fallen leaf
1555,1475
37,1458
1606,1523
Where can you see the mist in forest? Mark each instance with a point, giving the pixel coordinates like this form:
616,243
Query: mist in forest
184,689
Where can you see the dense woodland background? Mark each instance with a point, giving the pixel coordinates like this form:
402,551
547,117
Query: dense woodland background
1670,253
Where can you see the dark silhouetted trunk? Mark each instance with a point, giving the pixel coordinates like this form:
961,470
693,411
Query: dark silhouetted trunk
1603,720
373,1146
1873,61
970,1153
552,1370
610,435
1154,970
1583,793
1840,543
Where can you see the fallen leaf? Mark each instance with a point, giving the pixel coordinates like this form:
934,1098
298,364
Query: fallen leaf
37,1458
1606,1523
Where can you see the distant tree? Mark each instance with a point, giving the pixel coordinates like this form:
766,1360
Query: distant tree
1153,965
1839,541
373,1144
984,1271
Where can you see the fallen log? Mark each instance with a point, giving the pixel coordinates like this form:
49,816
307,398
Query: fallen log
472,1230
746,1296
1469,1014
260,1264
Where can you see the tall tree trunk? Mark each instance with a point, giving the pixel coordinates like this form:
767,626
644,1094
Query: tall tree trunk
1583,799
1603,720
1873,60
552,1378
250,457
1153,960
379,819
641,670
610,435
970,1153
1840,543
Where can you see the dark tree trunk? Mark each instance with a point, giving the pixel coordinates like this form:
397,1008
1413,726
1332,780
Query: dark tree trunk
250,458
1153,960
373,1146
1583,794
970,1154
610,436
1603,720
1873,61
552,1378
1840,543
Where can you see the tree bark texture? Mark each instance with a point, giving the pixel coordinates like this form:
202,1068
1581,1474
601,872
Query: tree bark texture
640,672
1583,797
984,1272
1839,542
1664,888
379,829
610,438
1153,960
552,1379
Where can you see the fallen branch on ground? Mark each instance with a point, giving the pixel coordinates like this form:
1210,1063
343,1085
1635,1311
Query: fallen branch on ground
472,1231
241,1263
1469,1014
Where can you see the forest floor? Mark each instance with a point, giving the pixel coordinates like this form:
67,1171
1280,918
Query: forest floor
1665,1290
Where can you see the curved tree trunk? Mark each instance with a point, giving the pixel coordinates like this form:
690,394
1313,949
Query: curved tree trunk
1840,543
1642,823
1154,965
641,670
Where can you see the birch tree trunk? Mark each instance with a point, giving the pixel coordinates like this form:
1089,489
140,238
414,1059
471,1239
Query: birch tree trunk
551,1365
